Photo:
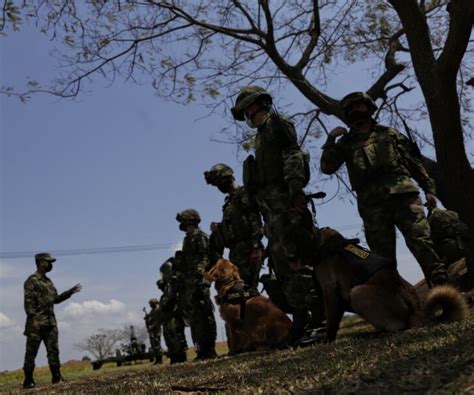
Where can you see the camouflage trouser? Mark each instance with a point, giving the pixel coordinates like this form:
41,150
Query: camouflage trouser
285,235
48,335
240,256
404,211
155,343
173,332
197,309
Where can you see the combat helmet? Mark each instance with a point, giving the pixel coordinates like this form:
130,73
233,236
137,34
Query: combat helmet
190,216
167,266
153,301
218,173
246,97
357,97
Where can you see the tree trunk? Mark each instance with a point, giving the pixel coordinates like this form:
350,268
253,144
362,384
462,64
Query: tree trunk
437,79
455,175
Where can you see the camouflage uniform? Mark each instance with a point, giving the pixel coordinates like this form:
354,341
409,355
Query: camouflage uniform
173,323
381,165
241,228
40,297
451,237
194,297
277,175
153,321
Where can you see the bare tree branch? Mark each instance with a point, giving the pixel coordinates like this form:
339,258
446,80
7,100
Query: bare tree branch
461,14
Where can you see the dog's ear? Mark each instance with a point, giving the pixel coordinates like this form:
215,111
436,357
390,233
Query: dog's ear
211,275
233,271
331,242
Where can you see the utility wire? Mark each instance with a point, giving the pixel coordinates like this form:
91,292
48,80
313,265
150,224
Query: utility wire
91,251
114,250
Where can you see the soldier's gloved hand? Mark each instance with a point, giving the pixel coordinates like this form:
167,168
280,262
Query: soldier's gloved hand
336,132
431,200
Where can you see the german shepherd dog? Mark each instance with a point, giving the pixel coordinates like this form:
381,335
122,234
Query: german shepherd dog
380,296
252,320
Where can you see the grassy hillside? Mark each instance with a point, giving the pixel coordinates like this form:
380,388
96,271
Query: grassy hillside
429,359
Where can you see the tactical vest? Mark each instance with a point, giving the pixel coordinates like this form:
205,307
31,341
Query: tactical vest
374,157
192,251
274,136
235,225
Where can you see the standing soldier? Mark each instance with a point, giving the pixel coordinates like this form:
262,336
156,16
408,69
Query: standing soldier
241,227
173,323
196,304
153,326
276,176
381,163
40,298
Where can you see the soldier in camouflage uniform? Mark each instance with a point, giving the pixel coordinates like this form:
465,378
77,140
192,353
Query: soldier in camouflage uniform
276,177
173,323
195,302
452,238
381,163
241,227
41,326
153,325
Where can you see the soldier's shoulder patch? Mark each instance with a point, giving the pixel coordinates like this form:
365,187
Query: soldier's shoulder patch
357,251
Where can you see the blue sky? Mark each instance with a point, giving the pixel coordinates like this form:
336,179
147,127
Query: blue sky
110,168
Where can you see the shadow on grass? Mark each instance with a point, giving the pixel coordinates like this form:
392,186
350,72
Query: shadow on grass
420,360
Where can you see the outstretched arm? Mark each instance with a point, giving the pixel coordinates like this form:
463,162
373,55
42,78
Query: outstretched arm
67,294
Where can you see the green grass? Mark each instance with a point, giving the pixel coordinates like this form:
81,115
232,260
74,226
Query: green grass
435,359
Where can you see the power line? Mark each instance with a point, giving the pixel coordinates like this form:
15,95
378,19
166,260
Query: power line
90,251
116,249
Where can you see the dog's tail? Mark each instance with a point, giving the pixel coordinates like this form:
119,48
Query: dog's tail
445,304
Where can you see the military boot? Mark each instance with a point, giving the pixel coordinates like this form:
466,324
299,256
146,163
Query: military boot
28,382
208,351
312,336
178,357
56,374
158,359
300,320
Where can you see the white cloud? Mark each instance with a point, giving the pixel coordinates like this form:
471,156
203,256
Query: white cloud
6,322
94,307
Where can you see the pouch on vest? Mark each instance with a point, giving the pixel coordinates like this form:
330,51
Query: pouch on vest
249,174
296,165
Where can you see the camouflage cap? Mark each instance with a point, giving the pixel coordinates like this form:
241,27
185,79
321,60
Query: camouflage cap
153,301
218,173
190,216
246,97
44,256
357,97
